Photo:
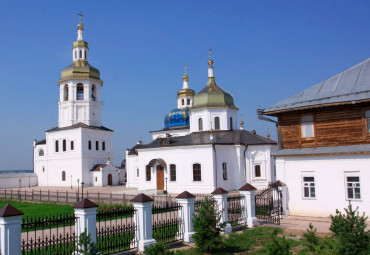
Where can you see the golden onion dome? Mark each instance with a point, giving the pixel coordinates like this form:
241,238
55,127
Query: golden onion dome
185,92
213,96
80,70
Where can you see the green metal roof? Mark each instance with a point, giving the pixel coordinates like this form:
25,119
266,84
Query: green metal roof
212,96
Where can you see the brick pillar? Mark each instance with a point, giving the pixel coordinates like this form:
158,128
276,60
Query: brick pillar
220,196
187,201
249,192
85,212
143,219
10,230
284,197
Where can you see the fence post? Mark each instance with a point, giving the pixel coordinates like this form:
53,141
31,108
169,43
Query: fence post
143,204
85,212
249,193
10,230
220,196
284,197
187,200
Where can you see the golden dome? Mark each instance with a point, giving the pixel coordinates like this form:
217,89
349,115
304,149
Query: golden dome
80,26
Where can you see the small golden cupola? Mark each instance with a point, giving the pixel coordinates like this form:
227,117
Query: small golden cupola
185,96
80,69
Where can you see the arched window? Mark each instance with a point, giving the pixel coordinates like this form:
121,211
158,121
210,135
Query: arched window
148,174
200,124
63,175
257,171
231,123
85,54
89,145
65,93
217,123
172,173
80,53
75,54
197,173
93,91
41,152
80,91
224,171
367,116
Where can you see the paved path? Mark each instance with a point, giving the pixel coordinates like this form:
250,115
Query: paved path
322,224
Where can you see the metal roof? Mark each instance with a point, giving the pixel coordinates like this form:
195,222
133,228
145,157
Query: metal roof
362,148
352,85
228,137
79,125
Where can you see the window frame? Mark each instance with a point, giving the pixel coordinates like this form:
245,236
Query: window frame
197,173
231,123
307,122
352,174
217,122
89,146
309,186
64,145
56,145
72,145
41,151
367,121
173,173
103,145
148,173
200,124
96,145
224,171
188,101
254,171
64,176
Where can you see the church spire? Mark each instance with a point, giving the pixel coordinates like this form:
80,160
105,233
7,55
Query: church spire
185,78
210,63
80,28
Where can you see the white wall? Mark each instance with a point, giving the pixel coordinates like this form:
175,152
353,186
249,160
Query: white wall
208,116
12,180
329,173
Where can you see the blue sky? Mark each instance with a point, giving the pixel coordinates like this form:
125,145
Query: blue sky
264,51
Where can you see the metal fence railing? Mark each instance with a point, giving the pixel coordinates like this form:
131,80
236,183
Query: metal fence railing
167,222
236,209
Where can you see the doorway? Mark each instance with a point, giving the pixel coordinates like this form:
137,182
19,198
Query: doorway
110,180
160,177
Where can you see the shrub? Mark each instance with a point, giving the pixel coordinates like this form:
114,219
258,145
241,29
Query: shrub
349,231
310,239
86,246
207,227
158,248
277,246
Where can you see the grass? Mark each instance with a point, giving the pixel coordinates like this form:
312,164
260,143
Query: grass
251,241
35,209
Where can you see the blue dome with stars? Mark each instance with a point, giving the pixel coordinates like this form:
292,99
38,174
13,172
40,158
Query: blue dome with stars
177,117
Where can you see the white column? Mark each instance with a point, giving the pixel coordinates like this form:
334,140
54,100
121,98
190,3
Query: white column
187,201
10,230
284,197
220,196
250,207
85,212
143,220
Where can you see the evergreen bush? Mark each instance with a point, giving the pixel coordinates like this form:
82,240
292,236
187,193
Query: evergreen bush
158,248
86,246
277,246
207,227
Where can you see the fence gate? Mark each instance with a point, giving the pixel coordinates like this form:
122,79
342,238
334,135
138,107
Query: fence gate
269,205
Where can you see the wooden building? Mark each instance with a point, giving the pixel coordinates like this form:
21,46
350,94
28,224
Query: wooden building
324,144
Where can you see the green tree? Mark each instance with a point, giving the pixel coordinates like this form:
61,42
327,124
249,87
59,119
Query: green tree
310,239
86,246
207,227
158,248
349,231
277,246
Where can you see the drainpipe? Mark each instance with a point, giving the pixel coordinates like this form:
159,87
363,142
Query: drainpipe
259,112
214,149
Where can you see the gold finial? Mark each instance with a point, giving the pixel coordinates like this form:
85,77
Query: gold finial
185,77
268,133
241,122
108,157
80,26
210,61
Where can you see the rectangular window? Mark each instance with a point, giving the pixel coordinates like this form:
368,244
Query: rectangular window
197,176
72,145
103,146
307,127
257,171
137,172
56,146
353,187
367,116
89,145
224,171
188,101
309,190
182,101
148,174
64,145
172,173
97,145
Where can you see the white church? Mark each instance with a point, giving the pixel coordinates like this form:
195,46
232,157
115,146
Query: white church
200,147
80,149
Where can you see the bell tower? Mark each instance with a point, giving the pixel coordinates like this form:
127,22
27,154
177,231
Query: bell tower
185,96
79,88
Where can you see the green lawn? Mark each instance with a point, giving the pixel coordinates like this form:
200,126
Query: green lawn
35,209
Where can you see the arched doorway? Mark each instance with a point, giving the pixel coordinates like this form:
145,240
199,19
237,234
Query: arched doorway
110,180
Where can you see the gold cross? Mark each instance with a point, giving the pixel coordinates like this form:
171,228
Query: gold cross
80,14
